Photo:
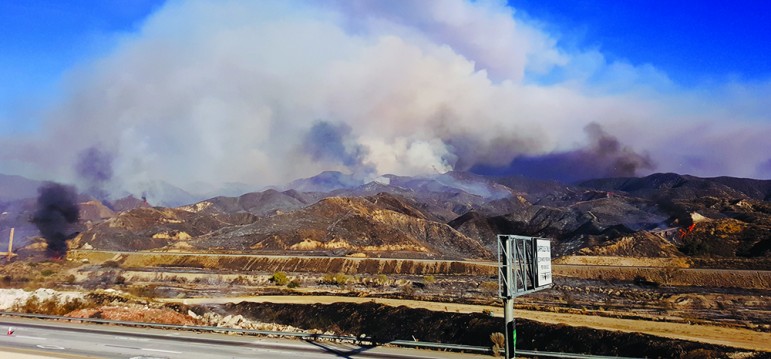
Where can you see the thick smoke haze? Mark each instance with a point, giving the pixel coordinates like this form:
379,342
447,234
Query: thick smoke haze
56,213
232,91
94,167
333,144
604,156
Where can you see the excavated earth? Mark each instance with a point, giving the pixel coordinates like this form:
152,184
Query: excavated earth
471,329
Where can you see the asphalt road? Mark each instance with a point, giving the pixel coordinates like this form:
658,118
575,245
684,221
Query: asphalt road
47,339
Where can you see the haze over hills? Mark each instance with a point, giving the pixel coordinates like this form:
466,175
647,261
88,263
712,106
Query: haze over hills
452,215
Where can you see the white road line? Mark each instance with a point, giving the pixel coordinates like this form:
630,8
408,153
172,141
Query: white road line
160,351
49,347
121,346
133,339
27,337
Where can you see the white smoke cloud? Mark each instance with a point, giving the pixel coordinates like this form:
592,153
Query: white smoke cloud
225,91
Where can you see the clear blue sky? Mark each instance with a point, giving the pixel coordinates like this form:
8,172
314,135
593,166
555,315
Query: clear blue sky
692,41
41,39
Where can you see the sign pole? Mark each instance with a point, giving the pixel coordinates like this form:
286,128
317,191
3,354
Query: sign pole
511,329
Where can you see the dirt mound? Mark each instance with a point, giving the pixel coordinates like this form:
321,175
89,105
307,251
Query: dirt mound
133,314
471,329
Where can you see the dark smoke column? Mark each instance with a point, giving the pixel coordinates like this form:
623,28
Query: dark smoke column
57,210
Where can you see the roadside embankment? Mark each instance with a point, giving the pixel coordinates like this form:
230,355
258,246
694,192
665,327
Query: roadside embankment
294,264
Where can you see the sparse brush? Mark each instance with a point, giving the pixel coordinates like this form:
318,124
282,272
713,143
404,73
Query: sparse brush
293,284
279,278
499,342
51,306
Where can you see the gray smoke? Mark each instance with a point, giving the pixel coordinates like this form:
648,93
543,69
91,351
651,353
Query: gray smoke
333,143
94,167
228,91
603,156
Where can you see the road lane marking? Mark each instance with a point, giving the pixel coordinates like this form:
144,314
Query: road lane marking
41,346
161,351
133,339
27,337
122,346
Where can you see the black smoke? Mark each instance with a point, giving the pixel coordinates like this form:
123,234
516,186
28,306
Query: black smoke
55,216
603,157
333,143
94,167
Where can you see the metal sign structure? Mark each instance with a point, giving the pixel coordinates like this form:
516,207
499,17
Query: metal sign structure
524,267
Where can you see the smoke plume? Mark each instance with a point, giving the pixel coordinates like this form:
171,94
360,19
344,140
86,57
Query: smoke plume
94,167
335,145
604,156
56,214
215,92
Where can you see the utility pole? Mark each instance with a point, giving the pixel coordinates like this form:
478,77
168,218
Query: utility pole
10,244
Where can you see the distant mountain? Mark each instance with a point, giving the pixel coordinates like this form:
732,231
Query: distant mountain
160,193
326,181
675,186
458,214
17,187
257,203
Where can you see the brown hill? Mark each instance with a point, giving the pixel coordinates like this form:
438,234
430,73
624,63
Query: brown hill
257,203
348,225
127,203
95,211
147,228
457,216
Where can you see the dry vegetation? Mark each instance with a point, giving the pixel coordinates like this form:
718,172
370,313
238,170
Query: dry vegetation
645,290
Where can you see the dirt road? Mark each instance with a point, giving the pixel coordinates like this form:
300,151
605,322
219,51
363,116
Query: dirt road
733,337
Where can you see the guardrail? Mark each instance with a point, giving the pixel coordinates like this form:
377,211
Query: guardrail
308,336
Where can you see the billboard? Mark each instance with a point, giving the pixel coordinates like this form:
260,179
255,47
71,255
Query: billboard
524,265
543,262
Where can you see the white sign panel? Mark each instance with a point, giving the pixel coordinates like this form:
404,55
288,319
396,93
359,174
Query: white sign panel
543,262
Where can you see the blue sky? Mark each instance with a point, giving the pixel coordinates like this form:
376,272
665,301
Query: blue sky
174,90
43,39
692,41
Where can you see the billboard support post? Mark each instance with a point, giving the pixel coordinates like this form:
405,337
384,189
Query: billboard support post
524,266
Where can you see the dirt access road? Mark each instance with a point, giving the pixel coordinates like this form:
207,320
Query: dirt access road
732,337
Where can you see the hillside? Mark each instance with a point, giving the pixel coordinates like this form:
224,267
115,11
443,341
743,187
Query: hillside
453,215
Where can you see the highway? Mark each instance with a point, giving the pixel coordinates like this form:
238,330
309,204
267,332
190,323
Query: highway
49,339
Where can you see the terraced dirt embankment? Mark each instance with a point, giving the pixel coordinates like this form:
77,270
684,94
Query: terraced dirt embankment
662,271
659,271
296,264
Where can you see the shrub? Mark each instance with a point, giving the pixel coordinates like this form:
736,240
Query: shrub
293,284
499,342
381,279
46,272
279,278
110,264
339,279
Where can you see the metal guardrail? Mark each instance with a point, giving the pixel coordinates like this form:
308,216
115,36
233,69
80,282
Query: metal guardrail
360,340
